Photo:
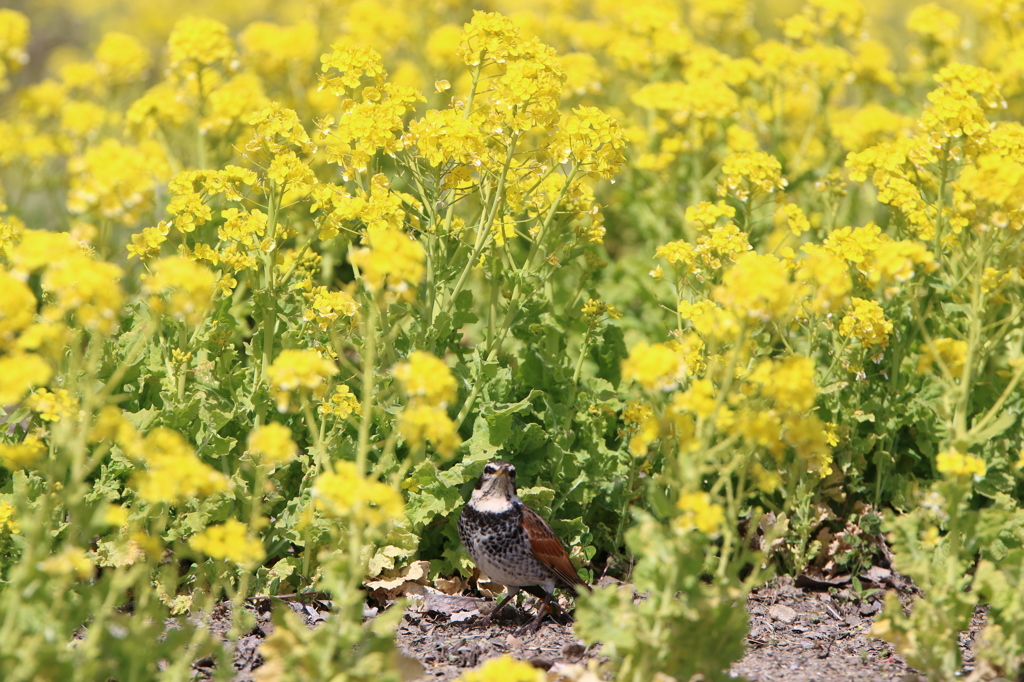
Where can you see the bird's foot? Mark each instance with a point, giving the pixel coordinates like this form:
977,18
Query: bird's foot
531,627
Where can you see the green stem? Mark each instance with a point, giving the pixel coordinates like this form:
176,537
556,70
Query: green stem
270,314
369,359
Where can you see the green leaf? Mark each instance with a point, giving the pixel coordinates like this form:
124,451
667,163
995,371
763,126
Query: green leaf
609,355
1003,422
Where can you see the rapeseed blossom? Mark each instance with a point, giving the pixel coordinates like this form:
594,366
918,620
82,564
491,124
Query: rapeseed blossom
273,444
20,373
698,511
950,352
172,473
345,492
8,523
180,287
71,561
504,669
15,456
421,423
867,323
758,287
325,307
299,371
230,541
750,174
954,463
390,260
656,367
196,44
17,308
52,407
14,34
88,289
426,378
342,403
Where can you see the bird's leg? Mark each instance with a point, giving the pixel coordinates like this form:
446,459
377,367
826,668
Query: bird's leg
508,597
543,610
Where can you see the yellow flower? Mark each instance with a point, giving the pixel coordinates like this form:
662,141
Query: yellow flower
37,249
679,253
54,406
14,34
420,423
146,244
592,139
699,398
447,136
722,243
22,455
866,323
426,378
342,403
390,259
70,562
641,427
707,214
275,50
827,278
954,463
345,492
111,425
8,524
115,515
758,287
273,443
86,288
173,473
789,382
353,62
230,541
654,367
751,174
808,436
17,308
504,669
196,43
19,373
326,306
935,24
181,287
700,512
594,312
121,59
952,353
115,181
793,217
502,229
299,370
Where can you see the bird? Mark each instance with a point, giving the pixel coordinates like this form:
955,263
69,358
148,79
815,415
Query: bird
512,545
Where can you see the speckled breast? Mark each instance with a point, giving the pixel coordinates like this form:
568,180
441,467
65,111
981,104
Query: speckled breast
498,545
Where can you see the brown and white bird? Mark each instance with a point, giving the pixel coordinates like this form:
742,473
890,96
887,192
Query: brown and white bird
513,545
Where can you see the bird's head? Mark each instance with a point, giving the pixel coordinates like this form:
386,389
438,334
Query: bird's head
496,488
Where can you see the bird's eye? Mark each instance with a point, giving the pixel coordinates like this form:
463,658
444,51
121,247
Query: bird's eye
490,469
511,469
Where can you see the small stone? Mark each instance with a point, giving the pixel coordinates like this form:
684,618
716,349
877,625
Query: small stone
782,613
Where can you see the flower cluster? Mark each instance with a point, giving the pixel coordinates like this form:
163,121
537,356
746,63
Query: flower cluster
230,541
305,372
346,493
430,386
272,444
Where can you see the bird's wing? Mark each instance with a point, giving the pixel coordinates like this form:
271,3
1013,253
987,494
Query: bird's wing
548,548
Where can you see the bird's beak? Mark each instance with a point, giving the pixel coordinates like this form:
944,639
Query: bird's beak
501,472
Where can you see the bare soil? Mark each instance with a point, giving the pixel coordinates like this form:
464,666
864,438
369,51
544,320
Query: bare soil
797,634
